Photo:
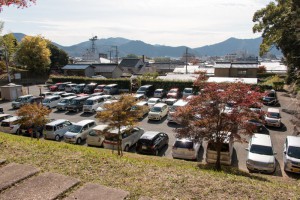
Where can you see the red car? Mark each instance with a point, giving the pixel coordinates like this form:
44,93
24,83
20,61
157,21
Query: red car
99,88
54,88
173,93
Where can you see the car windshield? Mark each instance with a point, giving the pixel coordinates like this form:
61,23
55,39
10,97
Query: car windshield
268,98
64,101
46,100
152,101
75,129
145,142
273,115
173,108
263,150
48,128
294,152
155,109
158,92
18,100
75,102
89,102
111,137
212,146
188,91
173,91
142,89
5,124
184,144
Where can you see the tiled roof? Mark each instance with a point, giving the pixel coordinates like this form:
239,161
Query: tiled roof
129,62
105,68
75,66
232,80
222,65
244,65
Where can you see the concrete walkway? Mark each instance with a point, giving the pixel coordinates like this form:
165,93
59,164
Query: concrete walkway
25,182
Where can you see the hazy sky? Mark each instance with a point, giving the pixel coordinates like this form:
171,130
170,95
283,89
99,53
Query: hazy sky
193,23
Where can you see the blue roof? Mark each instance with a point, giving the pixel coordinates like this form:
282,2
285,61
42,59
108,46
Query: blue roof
75,66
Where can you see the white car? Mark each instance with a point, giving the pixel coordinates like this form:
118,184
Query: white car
159,93
96,136
79,131
187,92
102,107
272,117
152,101
261,156
291,154
20,101
158,111
9,125
51,101
92,103
186,148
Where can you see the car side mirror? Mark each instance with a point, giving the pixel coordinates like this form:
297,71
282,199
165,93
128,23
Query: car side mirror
247,149
284,152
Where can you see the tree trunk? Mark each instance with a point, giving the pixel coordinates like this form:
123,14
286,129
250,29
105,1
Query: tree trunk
218,162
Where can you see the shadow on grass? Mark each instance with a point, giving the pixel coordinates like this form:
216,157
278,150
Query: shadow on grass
231,170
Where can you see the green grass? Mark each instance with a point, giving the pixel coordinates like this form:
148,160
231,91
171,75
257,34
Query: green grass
156,177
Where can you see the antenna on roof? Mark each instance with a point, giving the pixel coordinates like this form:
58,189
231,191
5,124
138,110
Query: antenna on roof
93,39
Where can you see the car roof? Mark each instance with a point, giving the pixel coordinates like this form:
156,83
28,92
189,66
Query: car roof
95,98
146,85
84,122
81,97
159,89
52,96
149,135
11,119
293,141
101,127
188,88
70,97
160,105
155,99
141,103
180,102
28,95
57,121
184,139
4,115
261,139
275,110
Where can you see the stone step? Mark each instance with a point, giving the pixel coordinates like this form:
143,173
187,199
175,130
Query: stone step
13,173
43,187
92,191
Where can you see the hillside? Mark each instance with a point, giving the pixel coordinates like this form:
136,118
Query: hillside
156,177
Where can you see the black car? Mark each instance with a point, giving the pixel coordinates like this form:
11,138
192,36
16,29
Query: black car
270,101
89,88
151,142
76,104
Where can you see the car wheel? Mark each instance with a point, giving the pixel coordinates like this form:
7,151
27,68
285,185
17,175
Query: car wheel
57,138
156,152
78,141
126,148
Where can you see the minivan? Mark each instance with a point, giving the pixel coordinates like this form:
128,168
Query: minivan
159,93
147,90
97,135
172,111
91,104
9,125
89,88
70,87
76,104
4,116
20,101
51,101
186,148
37,100
158,111
79,88
129,137
111,89
79,131
56,129
62,105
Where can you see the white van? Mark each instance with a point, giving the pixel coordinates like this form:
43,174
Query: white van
172,111
20,101
91,104
9,125
51,101
130,136
97,135
56,129
61,105
111,89
79,131
158,111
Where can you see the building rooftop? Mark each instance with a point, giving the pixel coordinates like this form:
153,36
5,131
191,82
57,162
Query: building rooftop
76,66
232,80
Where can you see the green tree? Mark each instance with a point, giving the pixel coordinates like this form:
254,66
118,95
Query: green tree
118,114
33,115
59,57
279,24
34,54
10,43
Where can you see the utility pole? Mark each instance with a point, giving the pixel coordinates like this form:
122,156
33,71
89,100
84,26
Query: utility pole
117,58
110,51
186,60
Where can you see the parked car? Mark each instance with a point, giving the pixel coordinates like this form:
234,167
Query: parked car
92,103
170,101
111,89
79,131
186,148
147,90
45,94
97,135
173,109
70,87
96,94
291,154
62,86
4,116
152,101
272,117
31,131
158,111
151,142
89,88
37,100
60,93
271,98
102,107
173,93
140,97
76,104
99,88
9,125
62,104
56,129
67,94
79,88
159,93
54,87
51,101
20,101
226,151
142,106
187,92
129,137
261,156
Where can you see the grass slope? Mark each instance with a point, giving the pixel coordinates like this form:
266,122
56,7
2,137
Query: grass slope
156,177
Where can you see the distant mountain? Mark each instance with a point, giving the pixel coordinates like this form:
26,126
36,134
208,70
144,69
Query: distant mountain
126,46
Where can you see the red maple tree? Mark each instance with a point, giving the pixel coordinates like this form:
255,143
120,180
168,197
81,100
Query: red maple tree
18,3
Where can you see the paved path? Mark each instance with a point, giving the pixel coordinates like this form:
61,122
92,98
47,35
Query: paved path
25,182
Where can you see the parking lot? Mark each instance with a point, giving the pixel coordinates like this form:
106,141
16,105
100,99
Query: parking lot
278,135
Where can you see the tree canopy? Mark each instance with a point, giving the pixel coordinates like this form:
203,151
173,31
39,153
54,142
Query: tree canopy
18,3
279,24
59,57
33,53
